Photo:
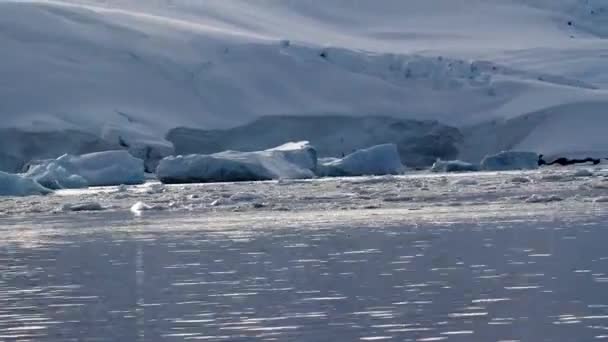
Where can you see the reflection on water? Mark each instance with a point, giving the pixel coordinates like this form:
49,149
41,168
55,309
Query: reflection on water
458,282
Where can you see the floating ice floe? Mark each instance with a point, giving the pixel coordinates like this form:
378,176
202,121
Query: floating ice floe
155,188
84,206
376,160
17,185
138,208
583,173
520,179
465,181
94,169
289,161
543,199
453,166
510,160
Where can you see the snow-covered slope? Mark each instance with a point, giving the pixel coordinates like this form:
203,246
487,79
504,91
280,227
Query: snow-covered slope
126,72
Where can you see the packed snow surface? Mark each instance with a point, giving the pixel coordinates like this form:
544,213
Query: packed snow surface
510,160
94,169
107,74
376,160
17,185
289,161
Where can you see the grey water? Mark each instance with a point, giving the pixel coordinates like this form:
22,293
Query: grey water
475,281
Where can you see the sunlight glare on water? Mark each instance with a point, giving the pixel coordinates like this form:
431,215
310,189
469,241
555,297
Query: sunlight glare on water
156,281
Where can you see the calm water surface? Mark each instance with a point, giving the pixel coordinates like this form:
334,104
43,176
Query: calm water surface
82,280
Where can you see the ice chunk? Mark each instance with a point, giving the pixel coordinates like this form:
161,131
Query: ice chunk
465,181
17,185
543,199
556,178
289,161
510,160
138,208
453,166
293,153
139,143
245,197
54,176
220,201
583,173
94,169
85,206
155,188
520,179
376,160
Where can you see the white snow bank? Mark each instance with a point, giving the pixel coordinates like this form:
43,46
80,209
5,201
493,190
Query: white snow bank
289,161
510,160
453,166
17,185
376,160
94,169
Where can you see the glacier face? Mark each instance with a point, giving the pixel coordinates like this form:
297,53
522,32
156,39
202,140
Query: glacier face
124,73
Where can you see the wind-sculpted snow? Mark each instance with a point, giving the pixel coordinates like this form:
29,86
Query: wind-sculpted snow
94,169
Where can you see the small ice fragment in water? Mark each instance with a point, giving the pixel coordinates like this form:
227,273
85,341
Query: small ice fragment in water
155,188
556,178
543,199
85,206
583,173
520,180
121,188
465,181
220,201
244,197
138,208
